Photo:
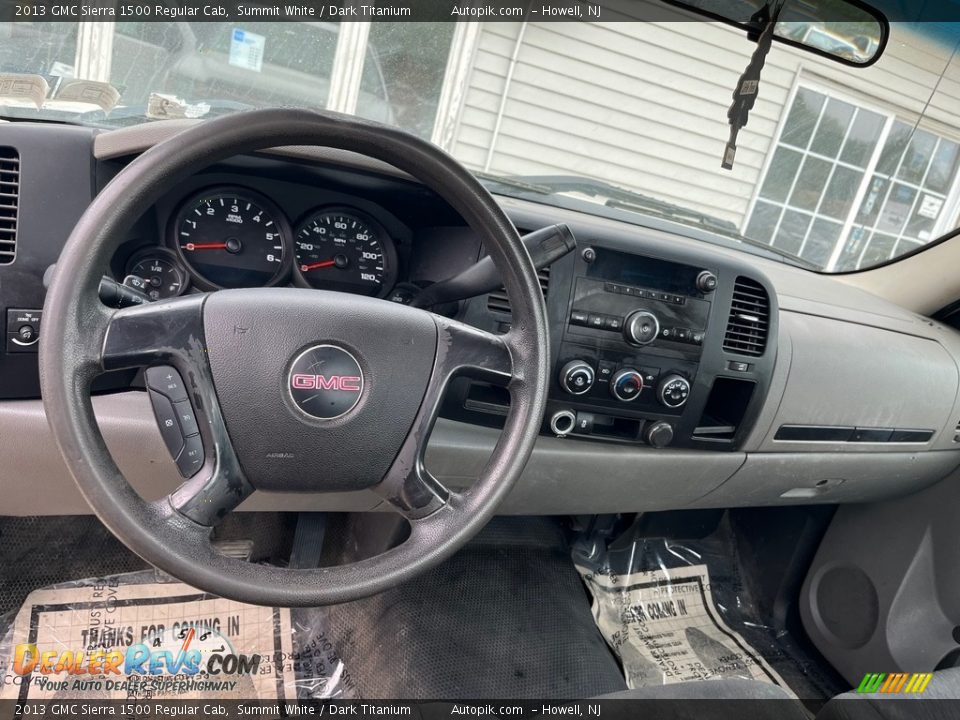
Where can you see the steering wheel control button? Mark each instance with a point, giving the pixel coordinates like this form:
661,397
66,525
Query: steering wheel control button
674,391
626,385
325,382
23,330
190,459
167,420
166,381
577,377
641,328
188,421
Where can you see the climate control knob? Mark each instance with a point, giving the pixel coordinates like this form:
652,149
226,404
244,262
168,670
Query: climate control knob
626,385
641,327
673,391
577,377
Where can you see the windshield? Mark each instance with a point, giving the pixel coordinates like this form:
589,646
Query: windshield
839,167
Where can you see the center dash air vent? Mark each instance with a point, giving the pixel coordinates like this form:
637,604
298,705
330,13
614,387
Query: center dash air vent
9,196
497,301
749,318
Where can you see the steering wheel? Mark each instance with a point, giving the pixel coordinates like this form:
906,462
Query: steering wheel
293,389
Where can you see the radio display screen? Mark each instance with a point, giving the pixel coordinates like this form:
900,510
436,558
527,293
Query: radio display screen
643,271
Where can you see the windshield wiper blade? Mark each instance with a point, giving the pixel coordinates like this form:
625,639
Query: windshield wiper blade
619,197
517,183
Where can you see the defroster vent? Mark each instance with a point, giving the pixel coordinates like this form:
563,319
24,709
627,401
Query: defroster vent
749,319
9,197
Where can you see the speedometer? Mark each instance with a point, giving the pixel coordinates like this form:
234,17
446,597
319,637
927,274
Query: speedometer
344,250
231,238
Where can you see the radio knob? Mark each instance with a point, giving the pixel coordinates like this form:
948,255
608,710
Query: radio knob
706,282
626,385
577,377
641,328
658,434
673,391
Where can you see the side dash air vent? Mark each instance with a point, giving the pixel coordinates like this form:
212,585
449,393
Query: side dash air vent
9,196
749,319
497,301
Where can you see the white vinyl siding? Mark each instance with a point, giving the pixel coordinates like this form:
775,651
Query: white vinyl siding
644,105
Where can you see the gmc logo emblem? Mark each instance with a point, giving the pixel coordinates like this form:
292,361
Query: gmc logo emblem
346,383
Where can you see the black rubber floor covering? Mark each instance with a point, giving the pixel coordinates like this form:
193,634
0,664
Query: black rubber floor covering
40,551
506,617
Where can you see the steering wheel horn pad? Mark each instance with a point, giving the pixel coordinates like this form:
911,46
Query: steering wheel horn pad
242,353
254,336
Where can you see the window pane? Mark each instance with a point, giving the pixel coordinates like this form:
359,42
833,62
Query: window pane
821,241
793,227
852,246
924,217
919,153
878,250
802,118
780,176
893,215
872,201
840,193
810,184
862,138
943,168
763,222
403,73
894,147
833,128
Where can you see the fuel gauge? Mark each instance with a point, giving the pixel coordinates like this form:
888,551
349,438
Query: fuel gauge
161,274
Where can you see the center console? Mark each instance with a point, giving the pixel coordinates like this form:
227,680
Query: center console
631,346
667,351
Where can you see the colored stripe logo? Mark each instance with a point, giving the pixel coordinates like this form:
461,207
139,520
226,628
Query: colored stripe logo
892,683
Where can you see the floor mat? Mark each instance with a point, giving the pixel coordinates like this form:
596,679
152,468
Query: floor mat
507,617
40,551
684,610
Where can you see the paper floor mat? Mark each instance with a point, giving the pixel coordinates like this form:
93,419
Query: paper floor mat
141,636
674,611
665,628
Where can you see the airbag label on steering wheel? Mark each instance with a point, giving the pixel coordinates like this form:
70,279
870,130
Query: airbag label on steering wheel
107,640
665,628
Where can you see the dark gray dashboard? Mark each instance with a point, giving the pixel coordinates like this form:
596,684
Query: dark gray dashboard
848,399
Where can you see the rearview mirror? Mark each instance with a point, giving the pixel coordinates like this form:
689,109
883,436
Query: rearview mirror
844,30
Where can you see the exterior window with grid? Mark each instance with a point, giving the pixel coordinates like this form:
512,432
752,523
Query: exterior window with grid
849,187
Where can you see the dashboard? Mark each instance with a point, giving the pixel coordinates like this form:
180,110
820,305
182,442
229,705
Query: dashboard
684,373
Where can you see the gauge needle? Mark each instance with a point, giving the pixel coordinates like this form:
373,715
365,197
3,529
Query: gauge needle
317,265
205,246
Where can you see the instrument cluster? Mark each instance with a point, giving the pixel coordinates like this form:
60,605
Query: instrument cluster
234,237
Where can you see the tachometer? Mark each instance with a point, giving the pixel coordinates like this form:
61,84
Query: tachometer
344,250
232,237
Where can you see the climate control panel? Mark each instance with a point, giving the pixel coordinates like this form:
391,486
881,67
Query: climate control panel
625,384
